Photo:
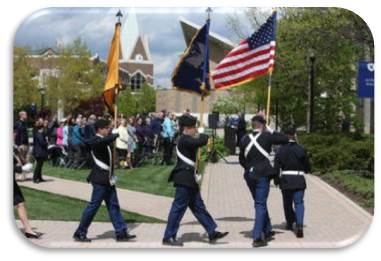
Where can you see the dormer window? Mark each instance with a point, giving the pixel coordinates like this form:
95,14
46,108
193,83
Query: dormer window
139,57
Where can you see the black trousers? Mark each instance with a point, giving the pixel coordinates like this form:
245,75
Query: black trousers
168,148
37,175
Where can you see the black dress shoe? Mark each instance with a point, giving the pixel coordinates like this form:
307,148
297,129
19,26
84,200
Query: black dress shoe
269,236
172,242
299,231
30,235
36,181
259,243
217,235
125,237
42,180
288,227
81,238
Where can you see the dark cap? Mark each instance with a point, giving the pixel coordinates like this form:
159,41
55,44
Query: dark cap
101,124
187,121
290,131
259,119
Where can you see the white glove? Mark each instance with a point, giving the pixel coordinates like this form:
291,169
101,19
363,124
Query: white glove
200,130
115,131
27,167
269,129
198,178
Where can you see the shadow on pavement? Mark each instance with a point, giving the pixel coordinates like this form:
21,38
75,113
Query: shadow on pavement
197,237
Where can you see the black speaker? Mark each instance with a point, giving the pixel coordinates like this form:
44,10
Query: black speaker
213,119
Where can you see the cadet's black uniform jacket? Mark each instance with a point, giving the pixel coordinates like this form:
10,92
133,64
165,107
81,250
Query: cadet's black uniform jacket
255,158
291,157
183,173
102,150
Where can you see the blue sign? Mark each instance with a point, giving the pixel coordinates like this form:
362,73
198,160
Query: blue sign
366,80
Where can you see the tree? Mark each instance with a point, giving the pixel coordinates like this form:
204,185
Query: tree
339,39
78,80
24,80
141,101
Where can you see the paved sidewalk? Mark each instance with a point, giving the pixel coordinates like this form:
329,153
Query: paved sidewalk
133,201
331,219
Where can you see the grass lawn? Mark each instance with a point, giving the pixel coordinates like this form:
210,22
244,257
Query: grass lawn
150,178
47,206
358,188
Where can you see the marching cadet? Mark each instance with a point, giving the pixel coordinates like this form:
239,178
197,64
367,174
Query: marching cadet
187,193
291,163
103,181
254,157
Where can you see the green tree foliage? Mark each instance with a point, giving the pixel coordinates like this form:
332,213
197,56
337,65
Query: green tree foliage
78,79
24,81
339,39
143,100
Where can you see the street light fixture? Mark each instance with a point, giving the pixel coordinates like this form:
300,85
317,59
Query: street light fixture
41,90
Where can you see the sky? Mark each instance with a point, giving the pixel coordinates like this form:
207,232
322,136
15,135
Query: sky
52,26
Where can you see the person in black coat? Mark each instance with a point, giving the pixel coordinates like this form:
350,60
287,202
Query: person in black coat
291,164
40,150
254,157
241,127
21,132
187,189
103,181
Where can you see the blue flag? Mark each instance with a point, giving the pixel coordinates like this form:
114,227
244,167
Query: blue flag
192,71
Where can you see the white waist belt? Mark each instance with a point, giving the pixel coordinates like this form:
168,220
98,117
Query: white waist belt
292,172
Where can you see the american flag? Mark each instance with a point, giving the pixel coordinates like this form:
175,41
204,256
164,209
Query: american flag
253,57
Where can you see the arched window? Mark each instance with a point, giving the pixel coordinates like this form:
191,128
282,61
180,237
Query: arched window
137,81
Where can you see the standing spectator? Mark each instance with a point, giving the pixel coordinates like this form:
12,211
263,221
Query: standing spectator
60,134
132,139
241,127
156,129
149,137
40,150
140,135
52,131
65,139
122,142
89,131
174,124
76,141
167,135
21,139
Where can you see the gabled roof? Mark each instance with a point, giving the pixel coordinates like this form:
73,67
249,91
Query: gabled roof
45,51
219,46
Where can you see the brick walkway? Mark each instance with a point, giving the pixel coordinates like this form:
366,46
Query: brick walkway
331,219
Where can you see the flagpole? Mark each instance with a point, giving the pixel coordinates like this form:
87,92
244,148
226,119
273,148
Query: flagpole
268,97
202,102
270,75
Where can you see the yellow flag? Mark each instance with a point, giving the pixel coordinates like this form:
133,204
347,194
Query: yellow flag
112,80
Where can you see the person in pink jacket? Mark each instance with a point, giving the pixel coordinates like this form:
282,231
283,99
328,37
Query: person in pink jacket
60,134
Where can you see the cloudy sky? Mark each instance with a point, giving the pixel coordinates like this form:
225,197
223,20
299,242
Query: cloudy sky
95,26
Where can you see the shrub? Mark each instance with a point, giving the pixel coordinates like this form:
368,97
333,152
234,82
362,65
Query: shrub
330,152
